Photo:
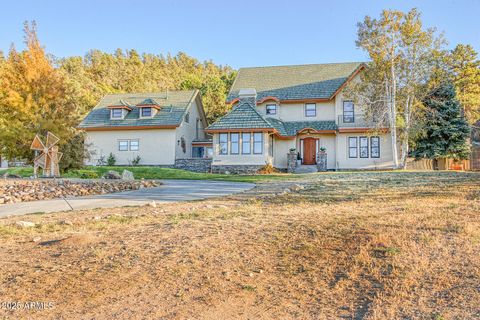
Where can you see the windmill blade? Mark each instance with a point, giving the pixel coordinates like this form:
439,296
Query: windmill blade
40,160
51,139
37,144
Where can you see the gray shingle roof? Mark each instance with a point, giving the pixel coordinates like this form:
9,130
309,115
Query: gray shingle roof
313,81
243,116
172,109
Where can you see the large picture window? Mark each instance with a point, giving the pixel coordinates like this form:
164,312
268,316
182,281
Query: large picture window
310,110
223,143
375,147
363,147
348,112
271,109
234,143
258,143
246,148
352,147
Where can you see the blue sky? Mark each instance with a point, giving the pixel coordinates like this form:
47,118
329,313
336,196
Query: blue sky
237,33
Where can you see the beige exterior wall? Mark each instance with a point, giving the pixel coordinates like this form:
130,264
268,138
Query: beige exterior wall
241,159
188,130
280,150
344,162
156,147
296,111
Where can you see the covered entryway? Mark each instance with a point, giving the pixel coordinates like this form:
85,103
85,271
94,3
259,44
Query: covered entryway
309,151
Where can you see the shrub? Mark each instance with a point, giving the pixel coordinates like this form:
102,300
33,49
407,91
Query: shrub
267,169
136,161
111,160
88,174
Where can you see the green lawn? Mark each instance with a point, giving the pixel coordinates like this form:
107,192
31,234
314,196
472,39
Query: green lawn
156,173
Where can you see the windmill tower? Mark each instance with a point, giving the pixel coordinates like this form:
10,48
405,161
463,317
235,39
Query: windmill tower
48,157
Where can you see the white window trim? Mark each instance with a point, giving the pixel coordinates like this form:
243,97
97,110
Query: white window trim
276,109
141,116
261,143
305,110
111,114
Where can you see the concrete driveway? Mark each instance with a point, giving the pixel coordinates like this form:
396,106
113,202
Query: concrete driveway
169,191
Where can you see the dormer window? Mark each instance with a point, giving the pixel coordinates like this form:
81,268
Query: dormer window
146,112
116,113
148,108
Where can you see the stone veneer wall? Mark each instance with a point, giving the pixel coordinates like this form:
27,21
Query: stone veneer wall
195,165
236,169
12,191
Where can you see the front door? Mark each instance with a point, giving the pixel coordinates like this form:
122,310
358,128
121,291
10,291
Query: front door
309,151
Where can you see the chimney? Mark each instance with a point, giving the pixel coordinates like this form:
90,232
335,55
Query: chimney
248,95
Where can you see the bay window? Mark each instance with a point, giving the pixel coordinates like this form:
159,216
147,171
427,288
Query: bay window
246,148
258,143
223,143
234,143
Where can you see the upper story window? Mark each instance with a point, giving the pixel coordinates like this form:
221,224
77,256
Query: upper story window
271,109
187,117
223,143
116,113
146,112
310,110
348,112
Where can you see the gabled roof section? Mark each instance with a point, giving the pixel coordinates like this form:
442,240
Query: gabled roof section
174,105
299,82
242,116
149,102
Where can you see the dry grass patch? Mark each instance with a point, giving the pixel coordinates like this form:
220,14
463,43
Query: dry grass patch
347,246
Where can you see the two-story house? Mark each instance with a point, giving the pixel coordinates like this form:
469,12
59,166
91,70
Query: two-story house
156,128
276,110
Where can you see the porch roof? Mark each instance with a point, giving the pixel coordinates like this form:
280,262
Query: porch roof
292,128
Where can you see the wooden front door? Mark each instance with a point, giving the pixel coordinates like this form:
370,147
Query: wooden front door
309,151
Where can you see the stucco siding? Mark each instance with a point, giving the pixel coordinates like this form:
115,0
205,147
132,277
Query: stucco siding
296,111
156,147
280,150
344,162
188,130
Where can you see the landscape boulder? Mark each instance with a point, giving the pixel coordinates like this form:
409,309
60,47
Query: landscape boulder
127,175
25,224
112,175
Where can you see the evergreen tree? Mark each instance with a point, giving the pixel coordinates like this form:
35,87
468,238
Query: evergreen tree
446,131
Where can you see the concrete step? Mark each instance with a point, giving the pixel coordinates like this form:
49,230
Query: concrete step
306,169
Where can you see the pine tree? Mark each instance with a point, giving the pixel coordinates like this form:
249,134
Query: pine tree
446,131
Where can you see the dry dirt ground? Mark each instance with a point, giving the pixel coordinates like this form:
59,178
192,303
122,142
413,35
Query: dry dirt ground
384,245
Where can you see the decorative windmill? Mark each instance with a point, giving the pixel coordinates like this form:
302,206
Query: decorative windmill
49,156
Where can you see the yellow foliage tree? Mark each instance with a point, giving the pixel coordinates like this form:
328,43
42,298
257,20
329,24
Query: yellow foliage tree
34,98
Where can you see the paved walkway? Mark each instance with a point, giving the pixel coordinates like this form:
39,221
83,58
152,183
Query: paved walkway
169,191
